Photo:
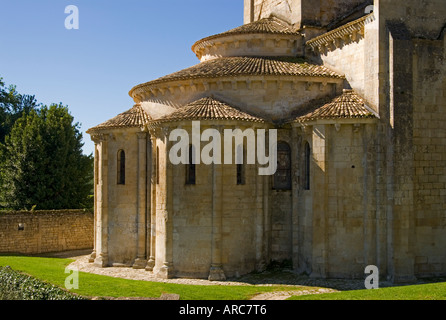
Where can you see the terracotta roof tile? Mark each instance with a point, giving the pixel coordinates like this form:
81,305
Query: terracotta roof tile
346,106
247,66
271,25
135,117
208,109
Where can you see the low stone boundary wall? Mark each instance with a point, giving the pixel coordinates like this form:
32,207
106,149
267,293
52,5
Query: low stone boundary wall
46,231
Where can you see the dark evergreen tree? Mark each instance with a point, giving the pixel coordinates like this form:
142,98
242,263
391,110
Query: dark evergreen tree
12,106
43,164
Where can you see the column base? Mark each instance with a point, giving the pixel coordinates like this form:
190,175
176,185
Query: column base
139,264
216,273
101,261
261,266
150,264
92,257
166,271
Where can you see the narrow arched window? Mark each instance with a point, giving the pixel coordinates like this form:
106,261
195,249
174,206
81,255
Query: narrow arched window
307,165
241,165
191,168
282,177
121,167
157,166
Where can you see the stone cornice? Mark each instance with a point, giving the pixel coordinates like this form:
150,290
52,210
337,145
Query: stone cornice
333,39
164,90
234,70
239,41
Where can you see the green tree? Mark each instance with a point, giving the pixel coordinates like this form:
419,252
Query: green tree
43,164
12,106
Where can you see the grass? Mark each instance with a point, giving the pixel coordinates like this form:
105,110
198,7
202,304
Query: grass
432,291
52,270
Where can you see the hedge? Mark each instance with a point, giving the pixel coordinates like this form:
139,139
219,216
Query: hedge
17,286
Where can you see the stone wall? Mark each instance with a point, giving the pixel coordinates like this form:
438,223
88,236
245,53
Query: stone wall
429,141
299,12
122,211
348,60
45,231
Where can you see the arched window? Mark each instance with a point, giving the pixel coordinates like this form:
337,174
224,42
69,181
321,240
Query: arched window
121,167
307,165
157,166
282,178
241,165
190,168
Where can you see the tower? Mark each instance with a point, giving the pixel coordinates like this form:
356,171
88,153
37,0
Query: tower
300,13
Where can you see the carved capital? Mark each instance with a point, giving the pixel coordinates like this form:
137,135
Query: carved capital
142,135
99,137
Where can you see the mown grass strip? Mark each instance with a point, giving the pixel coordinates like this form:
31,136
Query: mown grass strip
432,291
52,270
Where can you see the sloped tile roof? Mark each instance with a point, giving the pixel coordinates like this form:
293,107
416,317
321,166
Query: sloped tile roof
247,66
208,109
266,25
271,25
135,117
349,105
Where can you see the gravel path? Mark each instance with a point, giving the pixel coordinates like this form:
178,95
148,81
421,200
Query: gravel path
282,278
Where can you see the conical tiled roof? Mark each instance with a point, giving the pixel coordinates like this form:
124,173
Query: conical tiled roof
265,25
208,109
246,66
349,105
271,25
135,117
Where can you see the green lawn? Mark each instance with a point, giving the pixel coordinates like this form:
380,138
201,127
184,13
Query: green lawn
52,270
433,291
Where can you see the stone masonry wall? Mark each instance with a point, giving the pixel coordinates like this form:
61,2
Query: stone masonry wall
299,12
429,139
45,231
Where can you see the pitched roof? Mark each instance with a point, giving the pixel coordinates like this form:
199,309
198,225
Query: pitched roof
135,117
247,66
271,25
266,25
349,105
208,109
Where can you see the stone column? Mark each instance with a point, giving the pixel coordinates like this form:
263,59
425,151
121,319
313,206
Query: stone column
153,181
320,198
166,211
216,272
101,259
96,183
295,174
141,260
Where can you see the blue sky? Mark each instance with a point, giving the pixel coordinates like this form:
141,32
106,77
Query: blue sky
119,44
